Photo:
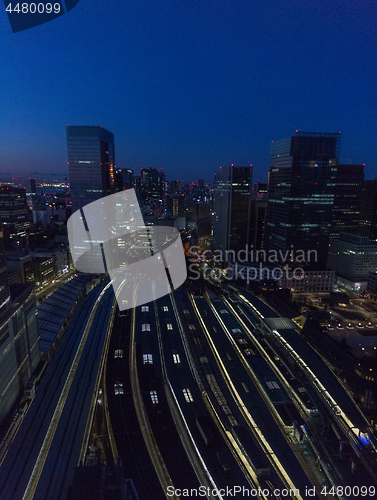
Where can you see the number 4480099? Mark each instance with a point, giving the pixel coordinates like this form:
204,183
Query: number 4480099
33,8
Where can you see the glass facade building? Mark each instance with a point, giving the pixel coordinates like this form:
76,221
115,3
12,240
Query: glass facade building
152,184
232,208
91,164
349,181
19,346
14,216
4,288
368,211
301,190
352,257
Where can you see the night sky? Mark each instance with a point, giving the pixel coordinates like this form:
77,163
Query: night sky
189,85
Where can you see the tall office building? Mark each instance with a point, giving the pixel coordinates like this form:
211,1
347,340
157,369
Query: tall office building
352,257
175,187
201,189
19,345
258,214
14,216
152,184
232,207
175,205
127,178
258,221
4,287
348,189
91,164
368,210
301,190
260,191
19,341
33,186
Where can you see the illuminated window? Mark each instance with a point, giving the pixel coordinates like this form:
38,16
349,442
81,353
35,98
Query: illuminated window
118,388
176,358
118,353
165,308
146,327
272,385
154,397
169,326
148,359
144,309
187,395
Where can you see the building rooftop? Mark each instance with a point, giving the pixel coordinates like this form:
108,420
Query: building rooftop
53,312
19,290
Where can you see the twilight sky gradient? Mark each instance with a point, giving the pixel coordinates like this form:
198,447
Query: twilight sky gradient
189,85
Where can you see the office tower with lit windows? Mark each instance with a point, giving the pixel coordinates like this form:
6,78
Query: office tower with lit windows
301,193
152,184
175,205
4,286
258,214
368,210
91,164
127,178
33,186
14,217
352,257
19,340
258,220
232,208
348,189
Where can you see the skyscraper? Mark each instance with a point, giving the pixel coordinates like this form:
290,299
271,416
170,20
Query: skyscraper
232,204
352,257
348,189
258,214
258,220
4,287
127,178
175,205
301,190
152,183
368,210
19,340
14,216
91,164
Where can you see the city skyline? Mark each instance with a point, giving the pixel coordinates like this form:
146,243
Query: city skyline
191,87
209,176
107,359
188,250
